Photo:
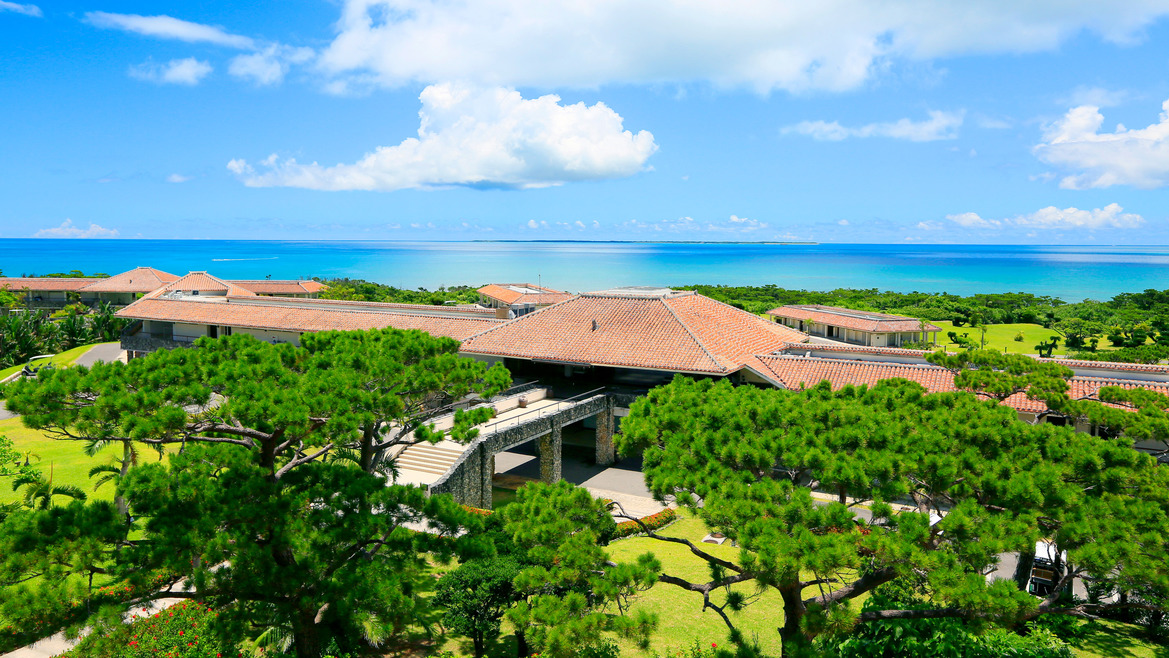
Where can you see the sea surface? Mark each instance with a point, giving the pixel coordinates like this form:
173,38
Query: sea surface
1072,273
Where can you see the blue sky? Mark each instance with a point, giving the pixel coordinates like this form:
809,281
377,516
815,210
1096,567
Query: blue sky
836,121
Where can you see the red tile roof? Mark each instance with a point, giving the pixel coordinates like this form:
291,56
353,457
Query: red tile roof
460,309
797,372
202,282
674,331
45,284
288,317
137,280
507,293
1074,364
273,287
850,319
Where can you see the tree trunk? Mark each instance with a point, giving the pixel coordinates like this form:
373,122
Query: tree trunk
306,636
477,640
367,437
119,499
793,611
1023,570
521,644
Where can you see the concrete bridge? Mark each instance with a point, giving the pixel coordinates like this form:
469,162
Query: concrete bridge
469,476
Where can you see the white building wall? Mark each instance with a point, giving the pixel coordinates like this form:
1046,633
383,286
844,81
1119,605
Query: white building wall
190,331
269,335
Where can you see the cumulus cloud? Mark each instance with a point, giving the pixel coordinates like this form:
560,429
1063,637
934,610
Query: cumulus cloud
765,46
68,230
27,10
480,138
269,65
1110,216
939,125
189,71
168,27
1138,157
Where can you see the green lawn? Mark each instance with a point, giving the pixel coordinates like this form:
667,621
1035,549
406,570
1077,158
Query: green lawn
61,360
1112,639
1001,336
64,460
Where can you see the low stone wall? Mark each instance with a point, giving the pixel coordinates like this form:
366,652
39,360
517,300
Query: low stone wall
148,343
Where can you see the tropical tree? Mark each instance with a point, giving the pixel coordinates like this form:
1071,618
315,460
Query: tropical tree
474,597
263,507
969,481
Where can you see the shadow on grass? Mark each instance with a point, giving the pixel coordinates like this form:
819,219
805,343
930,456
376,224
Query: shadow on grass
1118,640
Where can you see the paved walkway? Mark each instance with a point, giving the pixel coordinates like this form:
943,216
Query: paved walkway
58,644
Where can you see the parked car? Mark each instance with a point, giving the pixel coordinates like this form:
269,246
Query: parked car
1046,570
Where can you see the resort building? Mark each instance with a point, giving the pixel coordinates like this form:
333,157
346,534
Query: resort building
637,336
855,327
512,300
199,305
124,288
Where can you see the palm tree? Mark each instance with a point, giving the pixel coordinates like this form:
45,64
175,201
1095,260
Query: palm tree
39,491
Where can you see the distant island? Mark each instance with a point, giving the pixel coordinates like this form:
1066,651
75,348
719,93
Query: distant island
661,241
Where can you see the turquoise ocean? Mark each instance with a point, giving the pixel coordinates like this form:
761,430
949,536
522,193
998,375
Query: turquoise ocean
1072,273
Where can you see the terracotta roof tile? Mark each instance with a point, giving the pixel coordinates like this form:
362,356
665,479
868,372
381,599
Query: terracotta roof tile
137,280
526,293
282,317
45,284
850,319
679,332
275,287
798,372
202,282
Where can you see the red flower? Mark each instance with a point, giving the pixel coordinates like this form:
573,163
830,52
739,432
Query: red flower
713,645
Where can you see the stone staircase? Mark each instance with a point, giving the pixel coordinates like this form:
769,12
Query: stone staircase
425,463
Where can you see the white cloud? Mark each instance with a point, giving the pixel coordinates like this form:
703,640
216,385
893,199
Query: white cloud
167,27
68,230
177,178
929,226
1110,216
843,222
480,138
939,125
1097,96
269,65
1137,157
795,46
189,71
27,10
734,224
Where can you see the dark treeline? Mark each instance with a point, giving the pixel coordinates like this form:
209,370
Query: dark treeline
25,335
360,290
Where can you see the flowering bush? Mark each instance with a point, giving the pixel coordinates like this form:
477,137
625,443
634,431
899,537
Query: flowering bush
52,616
180,631
653,522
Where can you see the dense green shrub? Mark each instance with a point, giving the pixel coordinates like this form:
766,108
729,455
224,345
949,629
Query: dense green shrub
181,631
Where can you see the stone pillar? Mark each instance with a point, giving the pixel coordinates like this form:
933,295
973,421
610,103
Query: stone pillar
549,449
471,483
605,453
488,472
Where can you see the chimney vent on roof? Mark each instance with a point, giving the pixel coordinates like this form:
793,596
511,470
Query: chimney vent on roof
595,325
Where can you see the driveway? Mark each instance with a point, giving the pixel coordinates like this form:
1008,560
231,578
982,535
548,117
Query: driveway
108,352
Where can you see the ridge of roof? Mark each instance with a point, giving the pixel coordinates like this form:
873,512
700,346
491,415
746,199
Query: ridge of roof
690,332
